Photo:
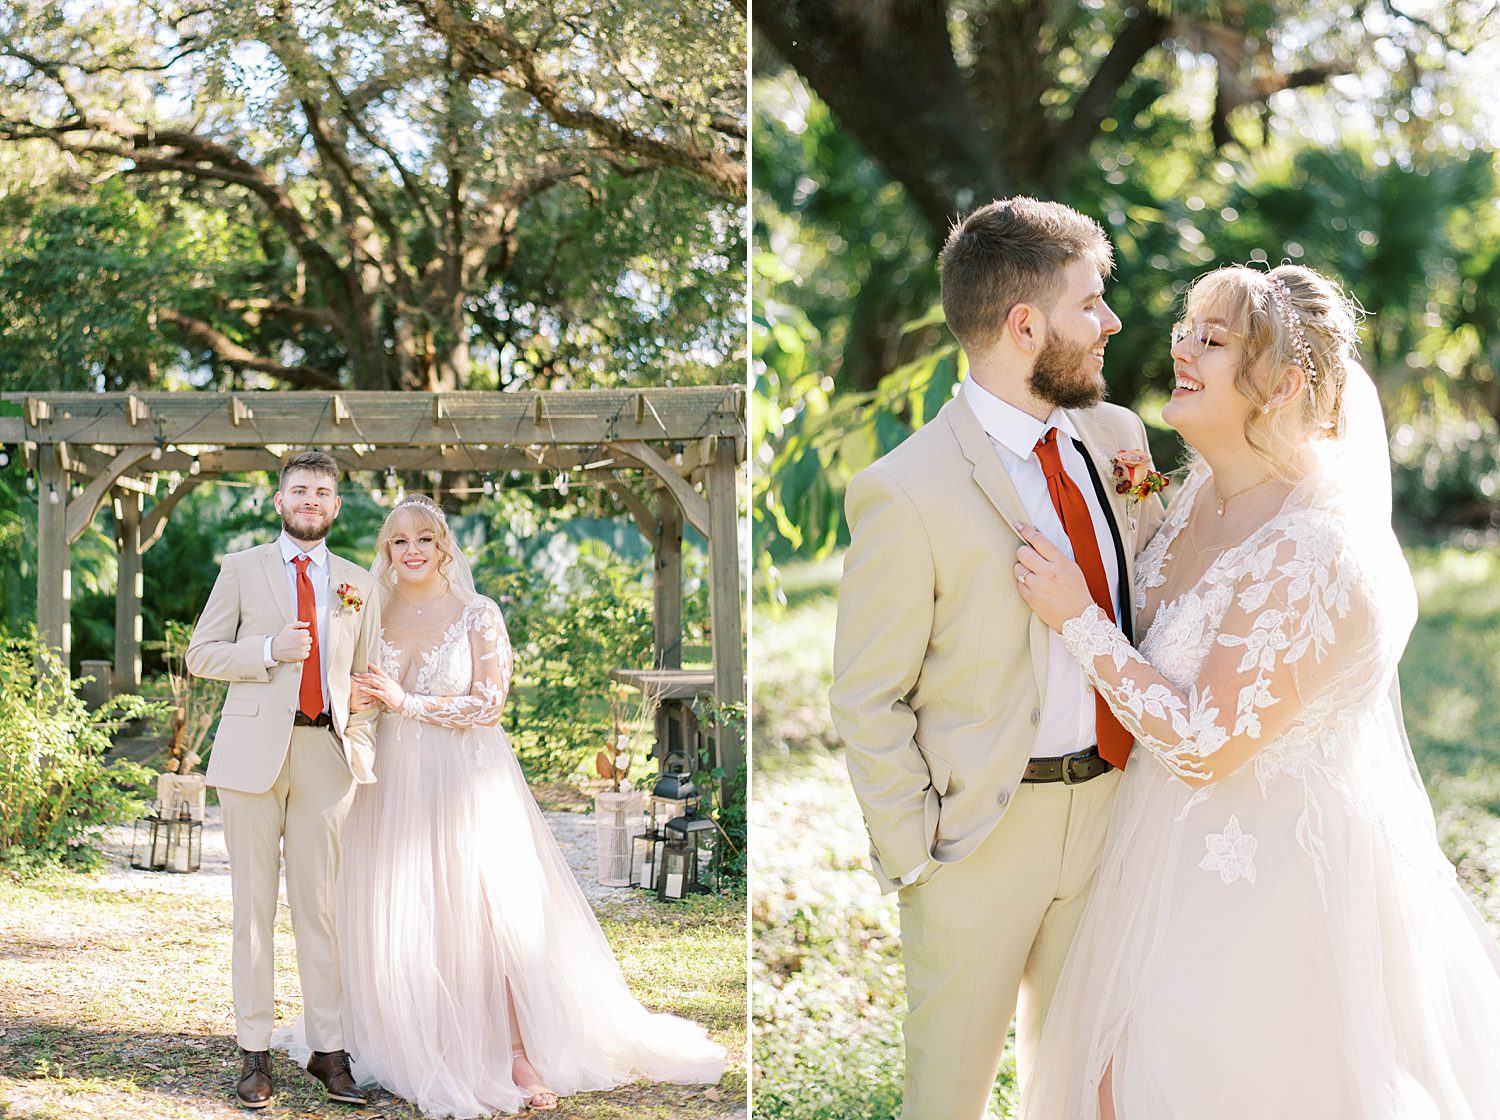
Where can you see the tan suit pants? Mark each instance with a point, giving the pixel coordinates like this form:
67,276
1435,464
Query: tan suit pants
997,924
303,811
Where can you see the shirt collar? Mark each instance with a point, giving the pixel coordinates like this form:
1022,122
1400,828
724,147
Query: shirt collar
290,552
1008,426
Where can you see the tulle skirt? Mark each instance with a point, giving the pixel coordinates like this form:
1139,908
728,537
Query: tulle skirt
1315,959
456,906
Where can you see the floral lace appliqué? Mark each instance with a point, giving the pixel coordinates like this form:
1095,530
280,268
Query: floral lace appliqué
1231,853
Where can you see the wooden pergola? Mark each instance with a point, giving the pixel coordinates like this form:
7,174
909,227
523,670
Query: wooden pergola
683,448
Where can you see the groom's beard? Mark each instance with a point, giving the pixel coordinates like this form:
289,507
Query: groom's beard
1062,376
306,527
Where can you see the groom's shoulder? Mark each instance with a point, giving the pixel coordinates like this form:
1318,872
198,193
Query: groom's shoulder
926,447
251,553
1116,418
1115,414
348,569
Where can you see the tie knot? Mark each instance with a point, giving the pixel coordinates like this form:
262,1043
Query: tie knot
302,562
1046,451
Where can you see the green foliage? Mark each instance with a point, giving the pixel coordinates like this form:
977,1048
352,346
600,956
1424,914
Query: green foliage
729,811
375,196
56,786
84,273
567,640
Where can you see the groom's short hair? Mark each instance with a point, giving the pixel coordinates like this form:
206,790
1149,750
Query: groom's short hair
315,461
1012,251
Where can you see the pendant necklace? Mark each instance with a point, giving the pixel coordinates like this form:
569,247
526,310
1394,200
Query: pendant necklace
414,606
1224,500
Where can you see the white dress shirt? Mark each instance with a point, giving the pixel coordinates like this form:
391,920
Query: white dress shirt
1067,720
317,572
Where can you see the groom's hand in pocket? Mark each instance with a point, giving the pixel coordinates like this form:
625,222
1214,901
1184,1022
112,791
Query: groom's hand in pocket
294,643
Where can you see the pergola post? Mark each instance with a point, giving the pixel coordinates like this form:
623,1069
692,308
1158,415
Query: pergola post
724,594
129,589
666,589
54,569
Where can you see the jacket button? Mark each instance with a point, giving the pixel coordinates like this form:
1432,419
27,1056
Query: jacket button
1003,798
1036,716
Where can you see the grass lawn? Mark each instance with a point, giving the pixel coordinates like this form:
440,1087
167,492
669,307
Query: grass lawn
114,1002
826,978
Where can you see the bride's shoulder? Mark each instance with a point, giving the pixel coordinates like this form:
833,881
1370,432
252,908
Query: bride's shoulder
481,610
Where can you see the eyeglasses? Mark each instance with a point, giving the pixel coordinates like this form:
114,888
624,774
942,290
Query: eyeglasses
1200,336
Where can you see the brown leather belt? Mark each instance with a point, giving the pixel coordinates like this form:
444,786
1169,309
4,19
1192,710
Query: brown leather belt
1071,769
323,720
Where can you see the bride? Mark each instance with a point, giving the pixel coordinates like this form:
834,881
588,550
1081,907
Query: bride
1274,931
476,978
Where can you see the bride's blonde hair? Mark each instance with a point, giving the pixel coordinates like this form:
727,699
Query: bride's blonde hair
1289,316
416,513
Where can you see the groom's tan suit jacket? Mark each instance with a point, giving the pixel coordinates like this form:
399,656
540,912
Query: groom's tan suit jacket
939,665
250,600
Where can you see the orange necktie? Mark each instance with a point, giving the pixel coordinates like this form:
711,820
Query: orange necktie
1078,523
310,697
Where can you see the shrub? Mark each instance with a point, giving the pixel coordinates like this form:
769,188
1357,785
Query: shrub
566,642
56,787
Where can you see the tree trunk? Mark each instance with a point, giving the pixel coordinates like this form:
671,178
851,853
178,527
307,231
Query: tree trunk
887,70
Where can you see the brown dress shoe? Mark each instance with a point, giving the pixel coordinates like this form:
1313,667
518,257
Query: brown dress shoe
331,1067
254,1089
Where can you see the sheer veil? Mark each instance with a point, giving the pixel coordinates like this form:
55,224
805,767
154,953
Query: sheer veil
1355,477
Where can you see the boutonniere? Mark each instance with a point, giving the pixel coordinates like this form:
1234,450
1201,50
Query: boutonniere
1135,479
349,598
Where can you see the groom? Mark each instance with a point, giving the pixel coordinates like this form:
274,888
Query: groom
983,762
285,624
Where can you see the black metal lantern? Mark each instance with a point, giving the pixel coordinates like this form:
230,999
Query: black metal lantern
696,841
168,842
673,796
148,844
184,841
673,879
645,860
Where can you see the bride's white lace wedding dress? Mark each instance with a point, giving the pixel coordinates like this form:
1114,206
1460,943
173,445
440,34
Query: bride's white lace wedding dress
458,918
1274,932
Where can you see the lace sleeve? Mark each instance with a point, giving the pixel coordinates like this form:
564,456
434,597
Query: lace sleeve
1295,622
481,706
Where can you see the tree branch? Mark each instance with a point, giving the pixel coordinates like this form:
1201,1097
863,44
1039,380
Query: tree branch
489,50
1143,32
233,354
888,72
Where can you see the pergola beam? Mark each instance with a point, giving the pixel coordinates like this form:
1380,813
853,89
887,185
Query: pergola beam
399,418
81,509
129,588
54,570
724,597
693,504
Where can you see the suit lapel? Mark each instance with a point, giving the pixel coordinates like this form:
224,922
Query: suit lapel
996,485
1095,437
338,624
989,475
281,591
